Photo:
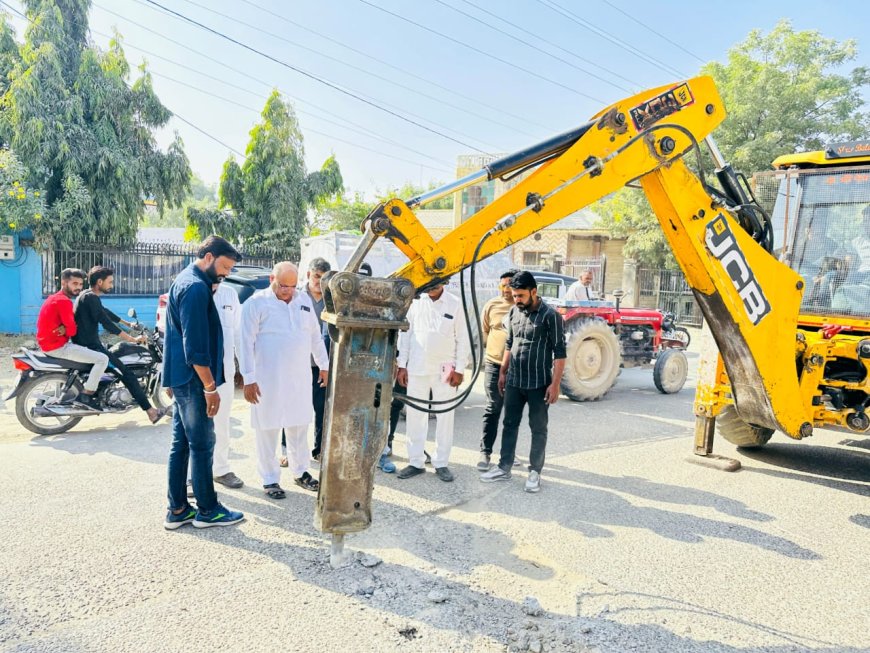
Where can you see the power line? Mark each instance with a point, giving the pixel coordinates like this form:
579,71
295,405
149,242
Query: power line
316,78
479,51
452,91
176,115
356,68
464,109
650,29
527,43
307,129
205,133
552,43
343,124
243,106
570,15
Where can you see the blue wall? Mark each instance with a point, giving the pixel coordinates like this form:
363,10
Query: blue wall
145,305
21,295
20,291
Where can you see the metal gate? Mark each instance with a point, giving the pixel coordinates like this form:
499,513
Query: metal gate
667,290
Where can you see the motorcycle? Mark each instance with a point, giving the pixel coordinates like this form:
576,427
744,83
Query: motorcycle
47,387
672,335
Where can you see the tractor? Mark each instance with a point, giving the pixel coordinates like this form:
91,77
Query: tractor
603,337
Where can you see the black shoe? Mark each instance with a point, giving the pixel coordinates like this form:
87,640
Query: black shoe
428,458
88,401
444,474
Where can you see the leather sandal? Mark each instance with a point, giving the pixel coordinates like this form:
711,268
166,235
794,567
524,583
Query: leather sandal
274,491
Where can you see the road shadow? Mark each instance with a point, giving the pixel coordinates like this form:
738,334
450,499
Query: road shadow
661,492
842,469
405,592
593,512
427,536
144,443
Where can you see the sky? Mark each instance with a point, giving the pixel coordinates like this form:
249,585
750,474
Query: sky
397,102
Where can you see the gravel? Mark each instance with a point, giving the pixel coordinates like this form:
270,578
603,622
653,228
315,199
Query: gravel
625,548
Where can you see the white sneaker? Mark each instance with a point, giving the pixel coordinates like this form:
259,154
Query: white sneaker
494,475
533,483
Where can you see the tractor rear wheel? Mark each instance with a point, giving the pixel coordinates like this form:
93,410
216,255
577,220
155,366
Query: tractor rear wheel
594,357
736,431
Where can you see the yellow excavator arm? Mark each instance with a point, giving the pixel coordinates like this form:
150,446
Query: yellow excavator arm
720,240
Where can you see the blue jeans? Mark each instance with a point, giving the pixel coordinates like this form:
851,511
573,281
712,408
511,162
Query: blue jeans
193,439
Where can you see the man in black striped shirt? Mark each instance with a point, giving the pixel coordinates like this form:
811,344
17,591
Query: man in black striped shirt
531,373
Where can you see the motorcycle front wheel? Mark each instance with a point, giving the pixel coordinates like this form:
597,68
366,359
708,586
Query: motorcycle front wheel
160,396
36,392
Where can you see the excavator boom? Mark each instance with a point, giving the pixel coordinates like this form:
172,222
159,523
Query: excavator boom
750,300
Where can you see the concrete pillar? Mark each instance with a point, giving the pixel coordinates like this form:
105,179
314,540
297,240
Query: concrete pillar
629,283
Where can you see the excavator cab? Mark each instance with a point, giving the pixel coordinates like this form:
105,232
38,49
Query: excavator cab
819,203
821,217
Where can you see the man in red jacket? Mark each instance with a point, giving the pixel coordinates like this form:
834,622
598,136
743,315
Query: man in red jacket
55,327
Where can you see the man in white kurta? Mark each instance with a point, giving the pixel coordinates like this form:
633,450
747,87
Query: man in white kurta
230,312
280,334
433,354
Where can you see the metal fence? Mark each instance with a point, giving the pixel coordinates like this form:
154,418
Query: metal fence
668,291
596,264
142,269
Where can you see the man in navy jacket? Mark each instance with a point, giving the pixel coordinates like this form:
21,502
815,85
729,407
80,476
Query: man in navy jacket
193,369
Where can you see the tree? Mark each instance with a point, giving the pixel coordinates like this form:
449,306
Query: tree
84,135
409,190
202,196
22,208
784,92
341,213
627,214
347,212
271,192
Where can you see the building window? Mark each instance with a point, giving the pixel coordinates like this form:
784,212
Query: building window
533,258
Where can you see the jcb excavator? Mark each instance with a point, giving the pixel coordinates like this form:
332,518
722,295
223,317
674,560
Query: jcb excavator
793,340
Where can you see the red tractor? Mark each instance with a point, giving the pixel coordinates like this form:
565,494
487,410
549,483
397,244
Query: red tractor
602,337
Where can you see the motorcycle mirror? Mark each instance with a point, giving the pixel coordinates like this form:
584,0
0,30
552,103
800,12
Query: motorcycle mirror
132,313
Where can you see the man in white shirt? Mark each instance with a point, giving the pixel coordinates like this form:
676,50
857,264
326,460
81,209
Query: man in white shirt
230,312
861,246
433,354
280,334
582,290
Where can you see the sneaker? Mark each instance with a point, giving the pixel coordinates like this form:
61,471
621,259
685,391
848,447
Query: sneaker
494,475
230,480
533,483
444,474
220,516
190,494
386,465
484,463
410,471
315,458
389,451
517,462
174,521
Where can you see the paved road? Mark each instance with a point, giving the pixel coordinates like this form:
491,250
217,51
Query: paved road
627,547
